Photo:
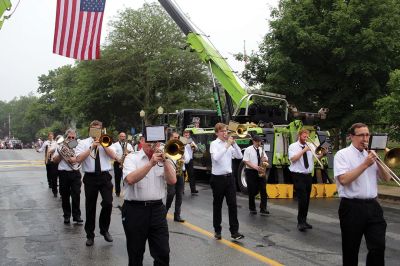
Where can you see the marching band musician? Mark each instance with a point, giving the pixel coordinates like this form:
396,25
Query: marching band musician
96,164
70,182
122,148
253,158
190,147
143,213
222,183
356,173
301,167
49,147
178,187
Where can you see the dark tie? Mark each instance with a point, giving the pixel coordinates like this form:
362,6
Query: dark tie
97,167
305,159
258,155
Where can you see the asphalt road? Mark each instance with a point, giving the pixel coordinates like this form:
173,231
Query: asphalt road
32,230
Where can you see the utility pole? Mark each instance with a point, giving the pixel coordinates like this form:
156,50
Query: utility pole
9,126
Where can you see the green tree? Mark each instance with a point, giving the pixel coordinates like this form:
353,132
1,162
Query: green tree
388,106
336,54
142,67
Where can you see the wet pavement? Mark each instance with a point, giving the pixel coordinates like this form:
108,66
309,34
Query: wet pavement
32,231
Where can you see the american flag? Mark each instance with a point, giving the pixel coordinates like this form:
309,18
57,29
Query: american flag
78,28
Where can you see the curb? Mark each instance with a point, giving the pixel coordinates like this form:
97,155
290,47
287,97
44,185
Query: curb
389,197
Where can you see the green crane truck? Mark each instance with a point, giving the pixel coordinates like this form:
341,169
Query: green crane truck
266,114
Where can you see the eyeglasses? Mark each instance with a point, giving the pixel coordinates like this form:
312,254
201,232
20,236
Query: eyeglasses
362,135
70,137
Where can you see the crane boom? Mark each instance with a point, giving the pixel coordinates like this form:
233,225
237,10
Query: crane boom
208,54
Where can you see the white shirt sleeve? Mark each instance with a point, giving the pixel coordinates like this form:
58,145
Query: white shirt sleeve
340,165
246,156
237,153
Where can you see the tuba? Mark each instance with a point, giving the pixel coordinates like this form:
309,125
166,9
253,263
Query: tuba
66,151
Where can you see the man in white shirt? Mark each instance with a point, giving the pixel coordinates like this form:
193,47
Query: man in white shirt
301,167
70,181
253,156
177,188
222,182
145,176
122,148
356,174
96,163
49,147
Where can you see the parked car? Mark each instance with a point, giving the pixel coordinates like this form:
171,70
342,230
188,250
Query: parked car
14,144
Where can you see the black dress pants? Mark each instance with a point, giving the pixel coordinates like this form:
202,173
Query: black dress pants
70,187
146,222
357,218
255,185
191,176
224,186
52,176
93,185
302,184
172,190
117,177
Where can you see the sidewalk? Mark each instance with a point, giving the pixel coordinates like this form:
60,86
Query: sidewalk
388,192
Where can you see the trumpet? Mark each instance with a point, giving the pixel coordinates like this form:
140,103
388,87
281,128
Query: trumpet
316,151
391,160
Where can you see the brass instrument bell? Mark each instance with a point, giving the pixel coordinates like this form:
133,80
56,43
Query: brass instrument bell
174,149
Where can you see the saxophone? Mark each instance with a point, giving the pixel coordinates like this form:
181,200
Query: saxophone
125,152
179,166
262,169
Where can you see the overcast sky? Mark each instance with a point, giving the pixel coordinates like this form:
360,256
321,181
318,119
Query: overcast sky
26,39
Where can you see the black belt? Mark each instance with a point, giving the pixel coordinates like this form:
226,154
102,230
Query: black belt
360,200
69,171
225,175
93,173
144,202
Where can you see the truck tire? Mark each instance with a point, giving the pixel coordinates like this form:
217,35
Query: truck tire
241,178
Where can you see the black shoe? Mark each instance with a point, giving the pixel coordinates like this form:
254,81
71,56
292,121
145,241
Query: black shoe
55,195
78,220
301,227
66,220
89,242
237,236
217,236
253,212
308,226
179,219
195,191
117,194
107,237
264,212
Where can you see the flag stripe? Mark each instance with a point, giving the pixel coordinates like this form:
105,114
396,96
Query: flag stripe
92,32
98,37
64,25
78,28
71,27
74,40
56,27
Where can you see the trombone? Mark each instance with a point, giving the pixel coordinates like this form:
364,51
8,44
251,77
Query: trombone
104,139
391,160
237,130
316,150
